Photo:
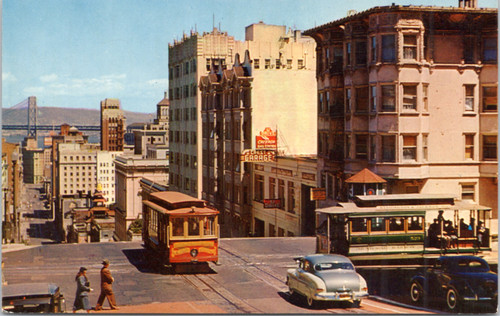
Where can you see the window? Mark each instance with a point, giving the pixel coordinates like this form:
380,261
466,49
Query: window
361,53
410,97
348,100
278,64
348,54
281,193
425,147
469,97
388,98
410,147
409,46
373,49
425,97
256,63
373,148
348,146
291,197
388,48
396,224
359,225
272,188
469,146
259,187
300,64
378,224
489,99
489,147
389,148
361,146
467,191
490,49
267,64
272,230
415,223
320,102
373,98
193,226
178,226
362,100
289,64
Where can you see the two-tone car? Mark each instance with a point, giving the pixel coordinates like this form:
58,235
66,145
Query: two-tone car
326,277
458,280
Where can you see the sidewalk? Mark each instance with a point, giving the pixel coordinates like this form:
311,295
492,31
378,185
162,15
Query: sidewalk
16,247
188,307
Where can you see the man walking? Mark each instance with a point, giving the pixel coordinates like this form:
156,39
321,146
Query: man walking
106,288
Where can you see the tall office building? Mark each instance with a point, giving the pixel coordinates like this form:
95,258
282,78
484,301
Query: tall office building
189,59
264,102
112,125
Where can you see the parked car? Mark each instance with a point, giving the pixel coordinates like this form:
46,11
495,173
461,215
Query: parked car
32,298
326,277
458,280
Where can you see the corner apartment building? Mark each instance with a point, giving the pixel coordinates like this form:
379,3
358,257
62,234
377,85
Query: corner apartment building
410,92
112,125
189,59
265,101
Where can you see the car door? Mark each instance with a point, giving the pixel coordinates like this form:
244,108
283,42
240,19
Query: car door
436,278
304,277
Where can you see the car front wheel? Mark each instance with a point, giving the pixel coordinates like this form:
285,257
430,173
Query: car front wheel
452,299
356,303
416,292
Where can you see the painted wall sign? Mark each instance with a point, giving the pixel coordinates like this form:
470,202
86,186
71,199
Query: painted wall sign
308,176
283,172
272,203
249,155
266,140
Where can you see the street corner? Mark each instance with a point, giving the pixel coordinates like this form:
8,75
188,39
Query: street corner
188,307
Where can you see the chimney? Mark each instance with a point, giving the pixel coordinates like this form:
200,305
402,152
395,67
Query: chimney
467,4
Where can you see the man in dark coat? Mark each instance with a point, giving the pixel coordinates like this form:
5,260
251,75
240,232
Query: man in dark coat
106,288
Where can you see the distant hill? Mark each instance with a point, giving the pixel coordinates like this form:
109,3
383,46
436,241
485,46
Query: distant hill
57,116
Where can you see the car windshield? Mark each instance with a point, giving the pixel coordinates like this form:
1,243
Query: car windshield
333,266
471,265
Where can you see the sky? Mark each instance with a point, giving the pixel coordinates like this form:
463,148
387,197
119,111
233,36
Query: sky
75,53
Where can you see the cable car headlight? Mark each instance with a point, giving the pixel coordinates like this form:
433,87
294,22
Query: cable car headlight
194,252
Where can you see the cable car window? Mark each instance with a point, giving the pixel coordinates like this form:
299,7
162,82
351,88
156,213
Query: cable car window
359,225
415,223
153,224
396,224
378,224
178,226
209,226
194,226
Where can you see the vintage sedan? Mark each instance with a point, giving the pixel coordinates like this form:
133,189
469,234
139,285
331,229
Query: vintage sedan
322,277
33,298
458,280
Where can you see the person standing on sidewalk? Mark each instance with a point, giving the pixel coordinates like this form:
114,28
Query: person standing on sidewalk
82,291
106,287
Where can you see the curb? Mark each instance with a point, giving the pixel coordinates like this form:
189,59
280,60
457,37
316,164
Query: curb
388,301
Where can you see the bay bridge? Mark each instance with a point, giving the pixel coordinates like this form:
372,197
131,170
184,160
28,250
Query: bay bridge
32,126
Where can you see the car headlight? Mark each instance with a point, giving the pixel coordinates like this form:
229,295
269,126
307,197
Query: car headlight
194,252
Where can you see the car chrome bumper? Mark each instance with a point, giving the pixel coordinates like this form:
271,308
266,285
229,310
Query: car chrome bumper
340,296
479,299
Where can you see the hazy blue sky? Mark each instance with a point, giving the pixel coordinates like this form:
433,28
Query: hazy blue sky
75,53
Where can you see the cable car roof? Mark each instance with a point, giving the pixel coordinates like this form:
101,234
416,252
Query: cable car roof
191,211
350,208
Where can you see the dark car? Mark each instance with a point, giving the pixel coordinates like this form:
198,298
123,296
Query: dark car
32,298
458,280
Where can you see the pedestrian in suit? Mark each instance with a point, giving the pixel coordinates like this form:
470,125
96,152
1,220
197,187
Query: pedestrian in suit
82,291
106,287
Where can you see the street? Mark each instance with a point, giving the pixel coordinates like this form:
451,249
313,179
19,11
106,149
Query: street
250,276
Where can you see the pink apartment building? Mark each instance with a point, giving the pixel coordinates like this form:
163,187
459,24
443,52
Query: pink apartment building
410,92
